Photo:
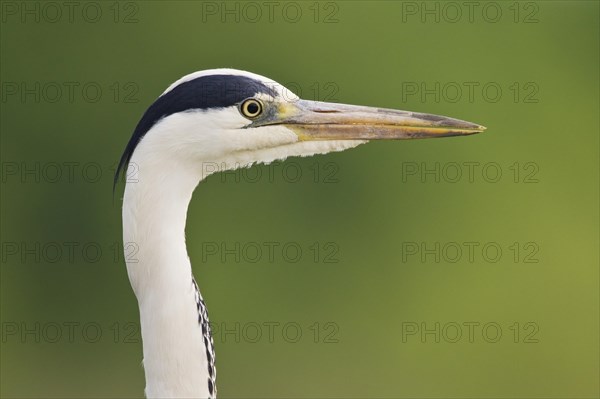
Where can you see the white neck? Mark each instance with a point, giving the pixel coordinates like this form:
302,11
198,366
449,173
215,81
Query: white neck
176,360
166,166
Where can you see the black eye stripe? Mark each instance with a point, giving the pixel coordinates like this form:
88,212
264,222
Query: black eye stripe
205,92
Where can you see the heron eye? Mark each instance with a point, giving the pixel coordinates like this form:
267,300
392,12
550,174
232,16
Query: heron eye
251,108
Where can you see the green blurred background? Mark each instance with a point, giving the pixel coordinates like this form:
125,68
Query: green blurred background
374,210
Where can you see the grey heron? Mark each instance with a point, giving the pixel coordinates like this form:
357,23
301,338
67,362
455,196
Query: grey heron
229,118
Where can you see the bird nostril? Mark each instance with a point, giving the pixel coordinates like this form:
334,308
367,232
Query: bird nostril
326,111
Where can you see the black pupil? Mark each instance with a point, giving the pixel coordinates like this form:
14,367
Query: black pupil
252,108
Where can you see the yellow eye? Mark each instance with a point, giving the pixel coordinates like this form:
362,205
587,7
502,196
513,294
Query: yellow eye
251,108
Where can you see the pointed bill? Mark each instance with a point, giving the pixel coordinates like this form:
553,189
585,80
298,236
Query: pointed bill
316,120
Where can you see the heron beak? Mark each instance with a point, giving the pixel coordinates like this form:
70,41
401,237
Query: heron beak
315,120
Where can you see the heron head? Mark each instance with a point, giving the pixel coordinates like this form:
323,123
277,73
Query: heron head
230,118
